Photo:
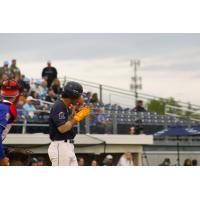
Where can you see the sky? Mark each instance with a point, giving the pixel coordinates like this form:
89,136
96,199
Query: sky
170,63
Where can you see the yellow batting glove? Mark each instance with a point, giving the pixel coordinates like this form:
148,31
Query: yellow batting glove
84,112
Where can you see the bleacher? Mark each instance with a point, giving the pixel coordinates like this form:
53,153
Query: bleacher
120,116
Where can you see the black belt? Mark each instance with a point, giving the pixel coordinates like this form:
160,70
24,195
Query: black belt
66,140
70,141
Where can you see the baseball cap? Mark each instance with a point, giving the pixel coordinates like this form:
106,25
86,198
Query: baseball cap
6,62
109,157
37,82
29,98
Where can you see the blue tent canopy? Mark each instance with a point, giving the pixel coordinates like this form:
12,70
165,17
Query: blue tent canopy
176,132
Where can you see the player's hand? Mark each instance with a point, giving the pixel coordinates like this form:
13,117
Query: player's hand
84,112
4,161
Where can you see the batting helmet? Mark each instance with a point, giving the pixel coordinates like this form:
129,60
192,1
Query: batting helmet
10,89
72,90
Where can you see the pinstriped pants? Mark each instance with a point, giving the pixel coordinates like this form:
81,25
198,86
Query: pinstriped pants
62,154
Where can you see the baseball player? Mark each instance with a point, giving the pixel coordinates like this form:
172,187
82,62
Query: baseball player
8,113
64,115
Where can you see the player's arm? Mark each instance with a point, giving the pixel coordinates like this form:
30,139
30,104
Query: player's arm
79,116
3,159
13,116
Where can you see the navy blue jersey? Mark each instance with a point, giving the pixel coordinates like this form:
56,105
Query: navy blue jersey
59,115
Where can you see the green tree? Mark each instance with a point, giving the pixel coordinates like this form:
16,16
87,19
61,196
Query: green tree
157,106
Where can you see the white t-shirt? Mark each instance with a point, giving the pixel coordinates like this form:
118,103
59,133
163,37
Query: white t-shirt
124,162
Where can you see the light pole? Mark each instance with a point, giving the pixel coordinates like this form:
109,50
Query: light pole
136,82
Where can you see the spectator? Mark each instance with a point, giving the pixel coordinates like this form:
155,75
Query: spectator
87,97
51,96
139,107
4,71
166,162
14,70
43,90
18,157
36,87
29,108
40,162
35,95
94,99
126,160
194,162
81,161
100,124
34,161
56,87
24,83
49,73
94,163
108,160
187,162
132,130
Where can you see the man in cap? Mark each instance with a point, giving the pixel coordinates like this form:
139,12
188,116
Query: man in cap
4,71
14,70
64,115
108,160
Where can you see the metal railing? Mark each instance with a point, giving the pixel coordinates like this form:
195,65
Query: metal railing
110,94
183,112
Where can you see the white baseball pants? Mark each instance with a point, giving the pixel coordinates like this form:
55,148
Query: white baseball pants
62,154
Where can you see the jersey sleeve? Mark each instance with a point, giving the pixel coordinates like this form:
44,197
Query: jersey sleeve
13,111
2,154
58,115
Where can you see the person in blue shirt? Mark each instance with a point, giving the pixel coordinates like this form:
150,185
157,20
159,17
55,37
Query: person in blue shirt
8,113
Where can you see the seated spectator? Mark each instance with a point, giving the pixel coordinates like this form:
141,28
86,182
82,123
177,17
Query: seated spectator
21,102
166,162
35,95
100,124
81,161
15,71
94,99
36,162
43,90
24,83
126,160
132,130
51,96
194,162
36,87
108,160
187,162
29,107
49,73
56,87
94,163
87,97
139,107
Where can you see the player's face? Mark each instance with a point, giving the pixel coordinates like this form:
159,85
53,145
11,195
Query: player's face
77,102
